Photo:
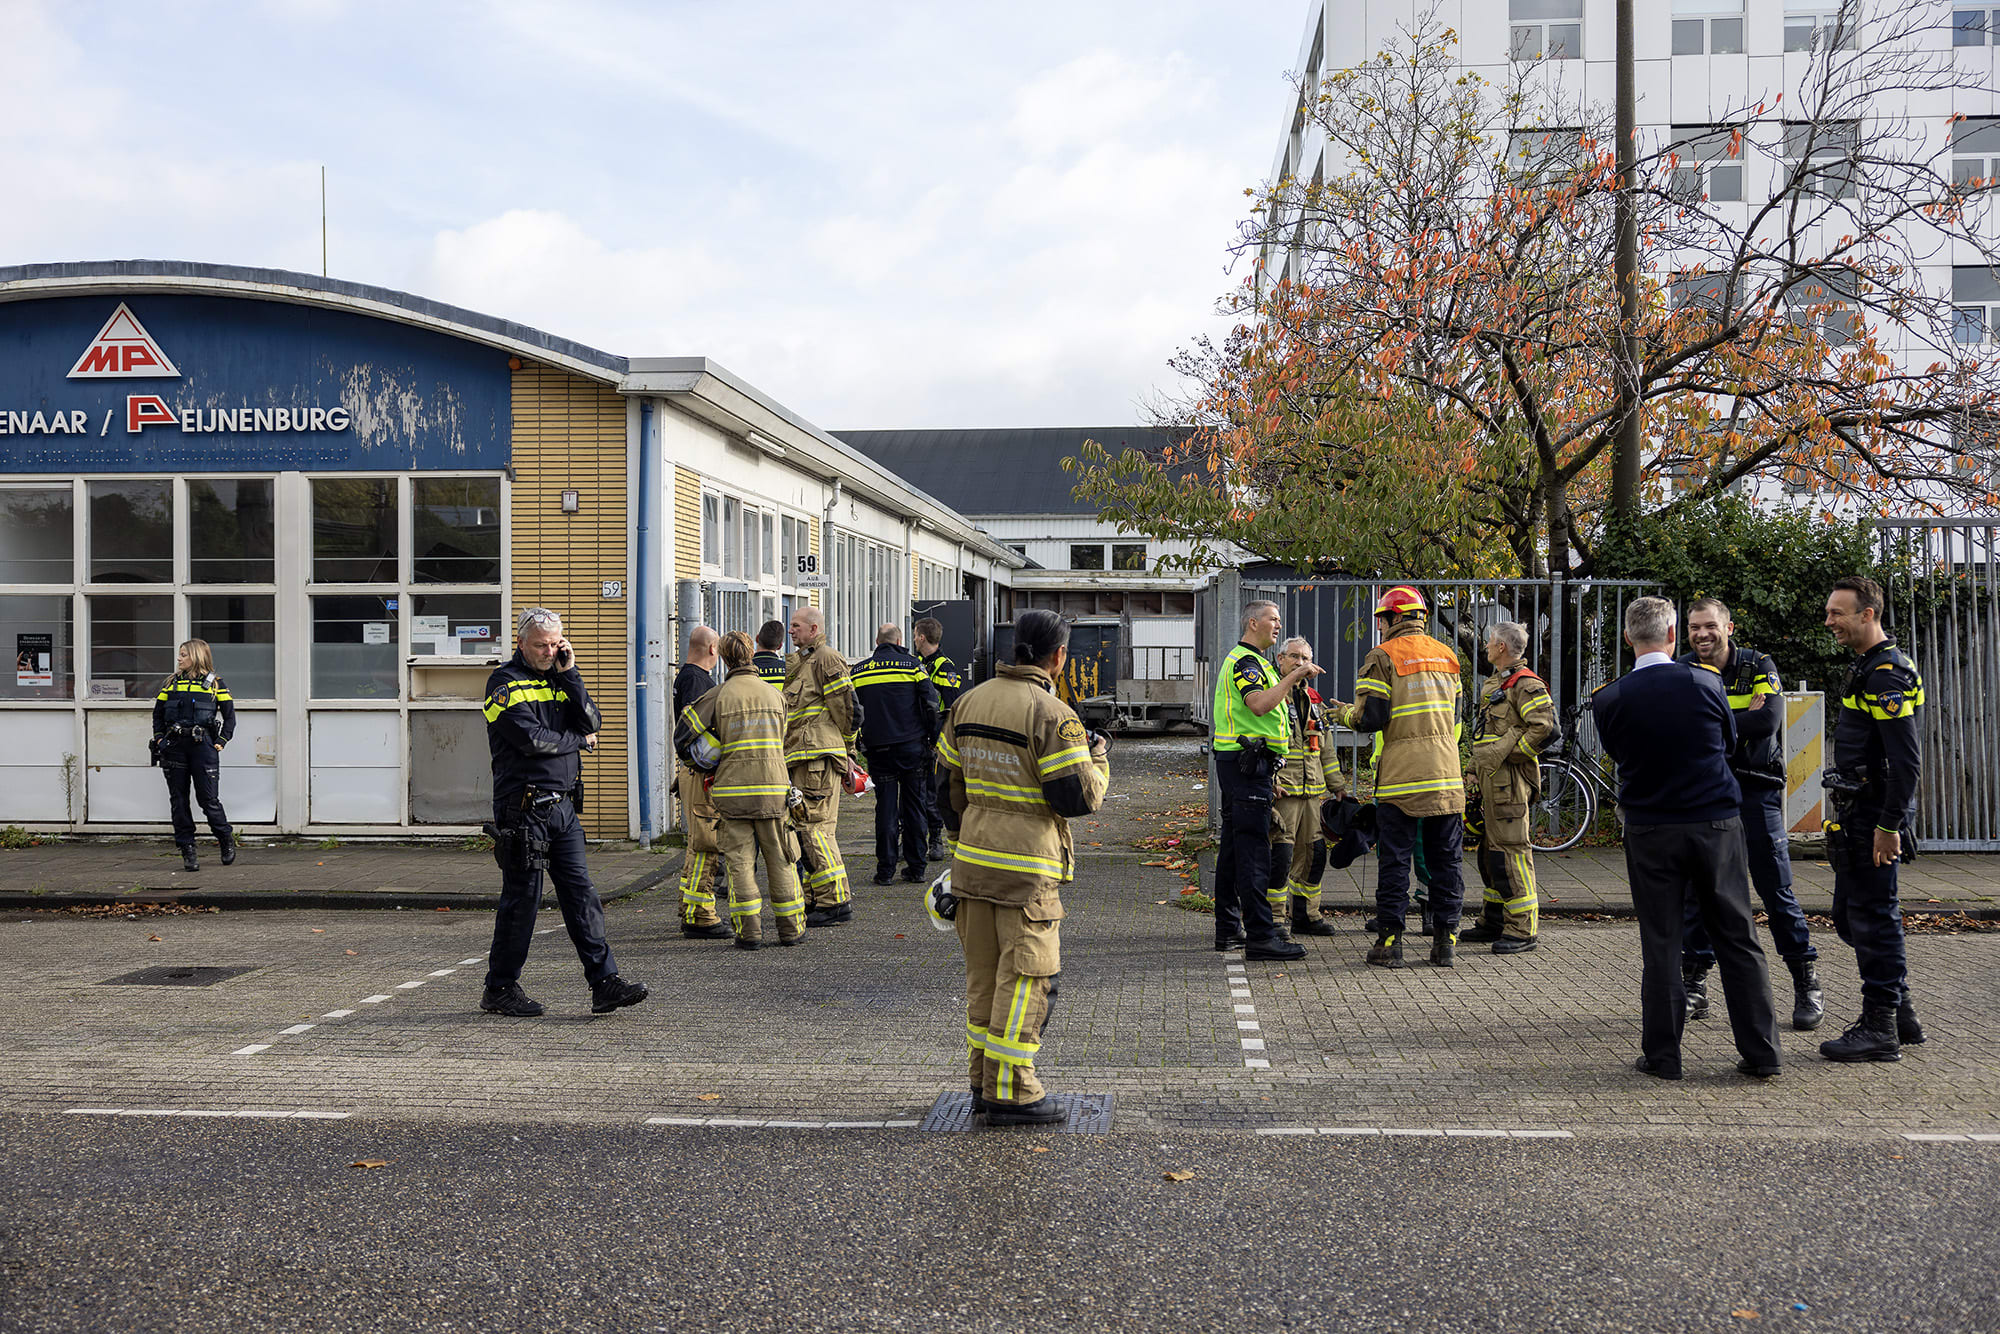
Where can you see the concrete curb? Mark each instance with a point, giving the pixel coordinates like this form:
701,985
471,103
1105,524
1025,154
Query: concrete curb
312,900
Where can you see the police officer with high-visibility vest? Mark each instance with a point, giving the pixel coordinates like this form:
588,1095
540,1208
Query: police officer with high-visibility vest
1250,735
193,719
1756,703
1409,690
1517,722
1021,767
1872,786
770,655
928,637
1298,852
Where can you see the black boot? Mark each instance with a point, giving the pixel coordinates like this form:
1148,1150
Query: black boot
1808,1001
1694,977
1491,926
1305,922
188,858
228,842
1444,949
1909,1032
1872,1038
1387,951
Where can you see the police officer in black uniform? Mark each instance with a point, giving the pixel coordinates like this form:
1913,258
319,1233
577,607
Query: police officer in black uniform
899,732
539,718
1871,785
770,658
193,719
928,638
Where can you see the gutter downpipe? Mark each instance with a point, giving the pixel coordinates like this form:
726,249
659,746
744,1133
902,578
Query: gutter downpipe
643,597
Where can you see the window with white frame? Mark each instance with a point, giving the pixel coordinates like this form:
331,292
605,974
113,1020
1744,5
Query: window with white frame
1708,27
1816,25
1710,164
711,529
935,582
1828,308
1975,152
1974,27
1545,29
1826,150
1975,302
1545,153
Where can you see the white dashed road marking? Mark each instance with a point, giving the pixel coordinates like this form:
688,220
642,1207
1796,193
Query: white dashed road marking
336,1014
252,1049
1422,1131
743,1124
202,1111
373,1000
294,1030
1239,990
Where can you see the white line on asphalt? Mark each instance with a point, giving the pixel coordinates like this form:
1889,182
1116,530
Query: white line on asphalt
1248,1025
1252,1044
152,1111
443,972
408,986
294,1030
336,1014
1421,1131
544,931
92,1111
373,1000
477,958
1933,1139
1984,1139
741,1123
263,1116
322,1116
1427,1132
1239,993
252,1049
1246,1009
1255,1063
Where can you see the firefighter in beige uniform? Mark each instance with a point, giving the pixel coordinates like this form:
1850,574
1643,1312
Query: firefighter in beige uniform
736,734
1517,720
1298,853
1019,766
822,720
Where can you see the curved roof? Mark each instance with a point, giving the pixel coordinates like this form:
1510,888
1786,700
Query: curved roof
26,281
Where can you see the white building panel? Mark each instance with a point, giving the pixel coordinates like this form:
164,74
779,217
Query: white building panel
356,767
33,743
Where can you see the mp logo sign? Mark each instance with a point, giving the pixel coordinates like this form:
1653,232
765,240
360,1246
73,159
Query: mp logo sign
123,350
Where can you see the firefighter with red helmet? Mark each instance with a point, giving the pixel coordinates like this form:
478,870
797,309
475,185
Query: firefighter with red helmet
1409,690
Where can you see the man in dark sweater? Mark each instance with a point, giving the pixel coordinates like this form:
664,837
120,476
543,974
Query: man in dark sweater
1668,725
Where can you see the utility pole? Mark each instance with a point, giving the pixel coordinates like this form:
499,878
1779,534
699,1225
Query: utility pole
1625,263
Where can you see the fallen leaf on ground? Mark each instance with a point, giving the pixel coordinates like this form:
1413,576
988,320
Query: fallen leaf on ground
1039,1148
708,1097
1744,1315
371,1162
1178,1176
899,935
353,951
152,937
319,930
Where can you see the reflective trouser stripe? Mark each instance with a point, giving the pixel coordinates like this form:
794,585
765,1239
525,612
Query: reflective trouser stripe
745,907
975,1038
697,896
1007,1048
828,871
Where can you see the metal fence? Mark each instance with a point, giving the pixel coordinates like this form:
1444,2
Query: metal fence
1948,620
1575,639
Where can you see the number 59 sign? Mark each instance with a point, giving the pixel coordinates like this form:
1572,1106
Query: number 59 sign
810,575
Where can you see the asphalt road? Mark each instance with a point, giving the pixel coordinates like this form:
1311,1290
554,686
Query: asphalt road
227,1225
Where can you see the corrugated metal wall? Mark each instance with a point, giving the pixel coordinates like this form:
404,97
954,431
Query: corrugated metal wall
569,434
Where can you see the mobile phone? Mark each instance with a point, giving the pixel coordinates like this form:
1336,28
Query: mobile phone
563,656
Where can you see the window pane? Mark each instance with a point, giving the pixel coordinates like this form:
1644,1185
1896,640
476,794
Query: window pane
1685,183
1725,37
1688,37
1565,41
354,530
1968,27
770,525
231,532
131,644
732,542
750,564
1798,34
1525,43
131,533
450,624
457,530
1086,556
1968,324
40,632
788,572
711,530
241,630
354,647
1725,184
1128,556
36,535
1544,9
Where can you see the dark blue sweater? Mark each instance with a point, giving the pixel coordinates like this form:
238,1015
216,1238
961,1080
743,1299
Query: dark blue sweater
1670,730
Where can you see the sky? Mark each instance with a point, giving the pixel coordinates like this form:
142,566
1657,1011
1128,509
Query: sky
923,214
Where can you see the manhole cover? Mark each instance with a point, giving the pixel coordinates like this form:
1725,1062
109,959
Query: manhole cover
175,975
1085,1114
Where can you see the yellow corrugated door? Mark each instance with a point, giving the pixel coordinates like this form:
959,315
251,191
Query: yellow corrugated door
815,596
569,434
687,525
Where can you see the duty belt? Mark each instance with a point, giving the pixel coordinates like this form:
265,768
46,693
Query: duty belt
535,798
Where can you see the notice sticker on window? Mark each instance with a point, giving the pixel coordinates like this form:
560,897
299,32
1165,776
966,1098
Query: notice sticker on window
34,657
475,632
374,632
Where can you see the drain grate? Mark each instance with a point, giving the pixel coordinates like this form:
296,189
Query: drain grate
1085,1114
174,975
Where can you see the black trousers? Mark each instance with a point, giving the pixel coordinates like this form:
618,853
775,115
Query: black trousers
1243,858
901,773
190,762
1867,914
1668,864
1768,844
934,797
1397,840
521,895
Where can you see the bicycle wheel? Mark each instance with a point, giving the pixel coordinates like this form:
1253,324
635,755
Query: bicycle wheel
1566,810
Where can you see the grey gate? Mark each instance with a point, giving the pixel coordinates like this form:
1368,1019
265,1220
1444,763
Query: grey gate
1947,617
1575,639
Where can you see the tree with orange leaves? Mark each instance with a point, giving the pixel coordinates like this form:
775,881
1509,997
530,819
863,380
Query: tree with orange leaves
1423,381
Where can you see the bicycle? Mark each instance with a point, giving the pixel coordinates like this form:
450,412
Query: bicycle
1567,808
